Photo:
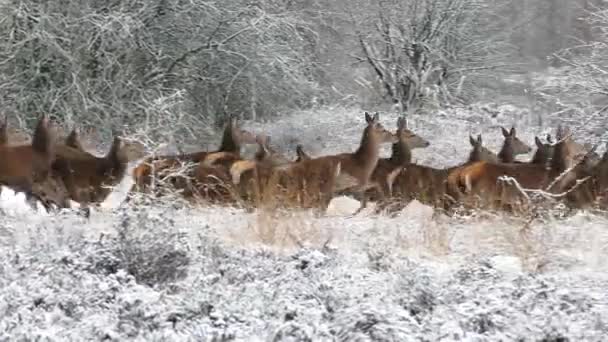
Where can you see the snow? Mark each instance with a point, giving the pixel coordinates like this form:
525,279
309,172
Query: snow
168,272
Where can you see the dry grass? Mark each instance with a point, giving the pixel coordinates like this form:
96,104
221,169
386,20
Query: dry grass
288,230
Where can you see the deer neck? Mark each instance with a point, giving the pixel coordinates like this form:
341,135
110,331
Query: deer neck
480,155
475,156
42,142
506,154
401,153
368,153
558,163
229,144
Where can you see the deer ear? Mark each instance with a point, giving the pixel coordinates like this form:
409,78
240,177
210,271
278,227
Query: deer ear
549,139
538,142
472,140
368,118
512,132
400,123
505,133
376,117
479,140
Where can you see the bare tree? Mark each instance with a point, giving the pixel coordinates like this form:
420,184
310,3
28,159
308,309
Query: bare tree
579,90
425,49
101,62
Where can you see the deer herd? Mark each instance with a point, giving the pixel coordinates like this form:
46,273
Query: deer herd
58,173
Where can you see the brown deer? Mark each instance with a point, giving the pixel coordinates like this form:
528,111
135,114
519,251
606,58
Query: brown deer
165,167
423,183
305,184
89,178
479,184
386,168
211,182
320,177
512,146
22,167
586,185
573,149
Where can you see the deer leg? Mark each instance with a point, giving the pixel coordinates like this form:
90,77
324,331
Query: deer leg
32,201
363,202
359,194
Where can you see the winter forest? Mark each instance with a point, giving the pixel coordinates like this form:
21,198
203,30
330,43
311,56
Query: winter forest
284,170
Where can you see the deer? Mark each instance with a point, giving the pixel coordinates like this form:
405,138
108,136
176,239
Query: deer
483,182
89,179
73,140
164,167
24,167
512,146
306,183
573,149
211,180
401,155
586,184
323,176
425,183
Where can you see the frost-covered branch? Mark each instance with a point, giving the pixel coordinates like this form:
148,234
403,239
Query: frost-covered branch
424,50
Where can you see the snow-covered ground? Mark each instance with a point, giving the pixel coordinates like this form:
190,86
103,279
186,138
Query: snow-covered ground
164,272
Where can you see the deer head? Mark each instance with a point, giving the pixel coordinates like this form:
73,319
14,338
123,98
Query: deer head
406,136
479,152
73,140
266,153
376,132
513,143
42,141
239,135
544,152
124,151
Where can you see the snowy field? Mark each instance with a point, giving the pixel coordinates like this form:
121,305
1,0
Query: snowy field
164,272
